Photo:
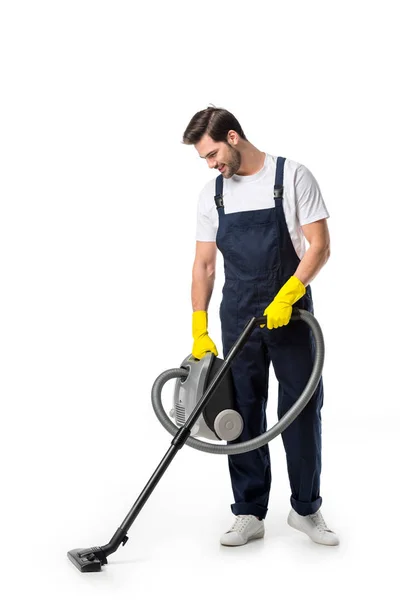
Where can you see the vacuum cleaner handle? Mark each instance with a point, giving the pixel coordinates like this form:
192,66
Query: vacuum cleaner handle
244,336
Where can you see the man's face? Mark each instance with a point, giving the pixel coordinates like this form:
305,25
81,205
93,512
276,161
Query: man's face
219,155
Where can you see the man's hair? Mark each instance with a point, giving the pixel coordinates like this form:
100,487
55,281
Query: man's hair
216,122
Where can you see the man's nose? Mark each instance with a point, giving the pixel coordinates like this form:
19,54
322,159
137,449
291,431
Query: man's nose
212,164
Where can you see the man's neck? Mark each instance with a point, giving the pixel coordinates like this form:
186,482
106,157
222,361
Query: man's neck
252,161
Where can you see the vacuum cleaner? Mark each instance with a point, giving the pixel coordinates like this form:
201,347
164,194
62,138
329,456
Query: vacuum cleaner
204,406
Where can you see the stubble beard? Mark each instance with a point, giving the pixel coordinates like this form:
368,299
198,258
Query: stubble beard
233,164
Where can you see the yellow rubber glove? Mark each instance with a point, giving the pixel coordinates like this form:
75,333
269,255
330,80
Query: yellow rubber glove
202,342
280,310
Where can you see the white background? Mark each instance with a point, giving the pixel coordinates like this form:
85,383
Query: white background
98,206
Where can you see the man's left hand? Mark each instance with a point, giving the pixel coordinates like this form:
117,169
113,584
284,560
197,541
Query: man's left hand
278,313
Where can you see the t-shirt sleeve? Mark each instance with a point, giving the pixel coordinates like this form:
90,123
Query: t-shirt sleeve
205,229
310,205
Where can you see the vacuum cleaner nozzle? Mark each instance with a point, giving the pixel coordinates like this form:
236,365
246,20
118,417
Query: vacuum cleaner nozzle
86,559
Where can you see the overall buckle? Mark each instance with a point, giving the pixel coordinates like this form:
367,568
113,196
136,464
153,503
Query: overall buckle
218,201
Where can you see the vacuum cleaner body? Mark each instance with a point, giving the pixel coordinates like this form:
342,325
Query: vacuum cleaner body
219,420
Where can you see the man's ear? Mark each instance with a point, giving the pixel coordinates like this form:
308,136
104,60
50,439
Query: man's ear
232,137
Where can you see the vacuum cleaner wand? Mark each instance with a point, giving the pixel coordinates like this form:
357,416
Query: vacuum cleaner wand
92,559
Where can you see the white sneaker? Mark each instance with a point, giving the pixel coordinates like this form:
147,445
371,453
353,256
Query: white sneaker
314,526
245,528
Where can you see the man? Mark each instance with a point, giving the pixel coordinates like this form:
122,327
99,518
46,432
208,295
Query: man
257,212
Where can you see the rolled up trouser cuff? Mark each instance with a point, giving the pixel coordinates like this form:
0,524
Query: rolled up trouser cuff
306,508
246,508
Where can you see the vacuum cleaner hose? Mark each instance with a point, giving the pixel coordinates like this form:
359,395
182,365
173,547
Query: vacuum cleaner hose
270,434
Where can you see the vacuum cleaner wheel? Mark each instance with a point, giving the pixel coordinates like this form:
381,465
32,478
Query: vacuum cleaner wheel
228,424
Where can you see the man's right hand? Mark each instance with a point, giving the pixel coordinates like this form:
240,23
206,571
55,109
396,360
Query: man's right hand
202,342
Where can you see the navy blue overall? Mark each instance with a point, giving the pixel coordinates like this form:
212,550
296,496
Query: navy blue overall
259,258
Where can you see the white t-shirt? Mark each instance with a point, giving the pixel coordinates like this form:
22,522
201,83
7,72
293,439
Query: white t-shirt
302,200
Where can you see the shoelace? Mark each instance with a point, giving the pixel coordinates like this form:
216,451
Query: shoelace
319,522
241,522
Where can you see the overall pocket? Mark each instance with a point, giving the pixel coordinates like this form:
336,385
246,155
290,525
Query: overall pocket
255,247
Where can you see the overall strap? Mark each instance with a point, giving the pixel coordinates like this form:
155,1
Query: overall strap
219,185
278,187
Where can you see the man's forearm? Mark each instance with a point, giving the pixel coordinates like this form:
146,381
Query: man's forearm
202,286
311,263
